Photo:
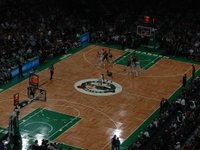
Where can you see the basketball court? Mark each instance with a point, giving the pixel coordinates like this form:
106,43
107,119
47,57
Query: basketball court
87,118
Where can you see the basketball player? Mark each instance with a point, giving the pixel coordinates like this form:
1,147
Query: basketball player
32,92
130,64
134,65
101,79
51,69
193,71
105,57
98,58
110,55
137,68
110,76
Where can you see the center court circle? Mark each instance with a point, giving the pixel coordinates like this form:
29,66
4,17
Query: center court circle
93,87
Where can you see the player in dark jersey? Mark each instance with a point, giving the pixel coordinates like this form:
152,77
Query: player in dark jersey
51,69
110,75
105,56
110,55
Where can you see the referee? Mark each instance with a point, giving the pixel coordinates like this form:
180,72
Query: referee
184,80
51,69
193,71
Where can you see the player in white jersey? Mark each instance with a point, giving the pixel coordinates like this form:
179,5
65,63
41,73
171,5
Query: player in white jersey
99,60
137,68
101,79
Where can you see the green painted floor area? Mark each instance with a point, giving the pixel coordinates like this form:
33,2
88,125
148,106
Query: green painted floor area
3,132
41,67
43,119
162,52
44,124
146,59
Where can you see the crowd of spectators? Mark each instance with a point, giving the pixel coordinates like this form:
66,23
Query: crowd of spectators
44,29
122,31
1,145
194,141
175,124
45,145
181,36
34,33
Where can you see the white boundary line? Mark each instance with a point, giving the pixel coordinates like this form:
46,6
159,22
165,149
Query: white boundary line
103,69
45,69
168,76
87,107
39,122
119,57
147,118
51,125
104,114
122,57
65,125
48,109
155,63
150,62
85,58
31,116
20,119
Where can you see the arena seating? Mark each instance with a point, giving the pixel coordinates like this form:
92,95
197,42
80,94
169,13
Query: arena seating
49,30
176,123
